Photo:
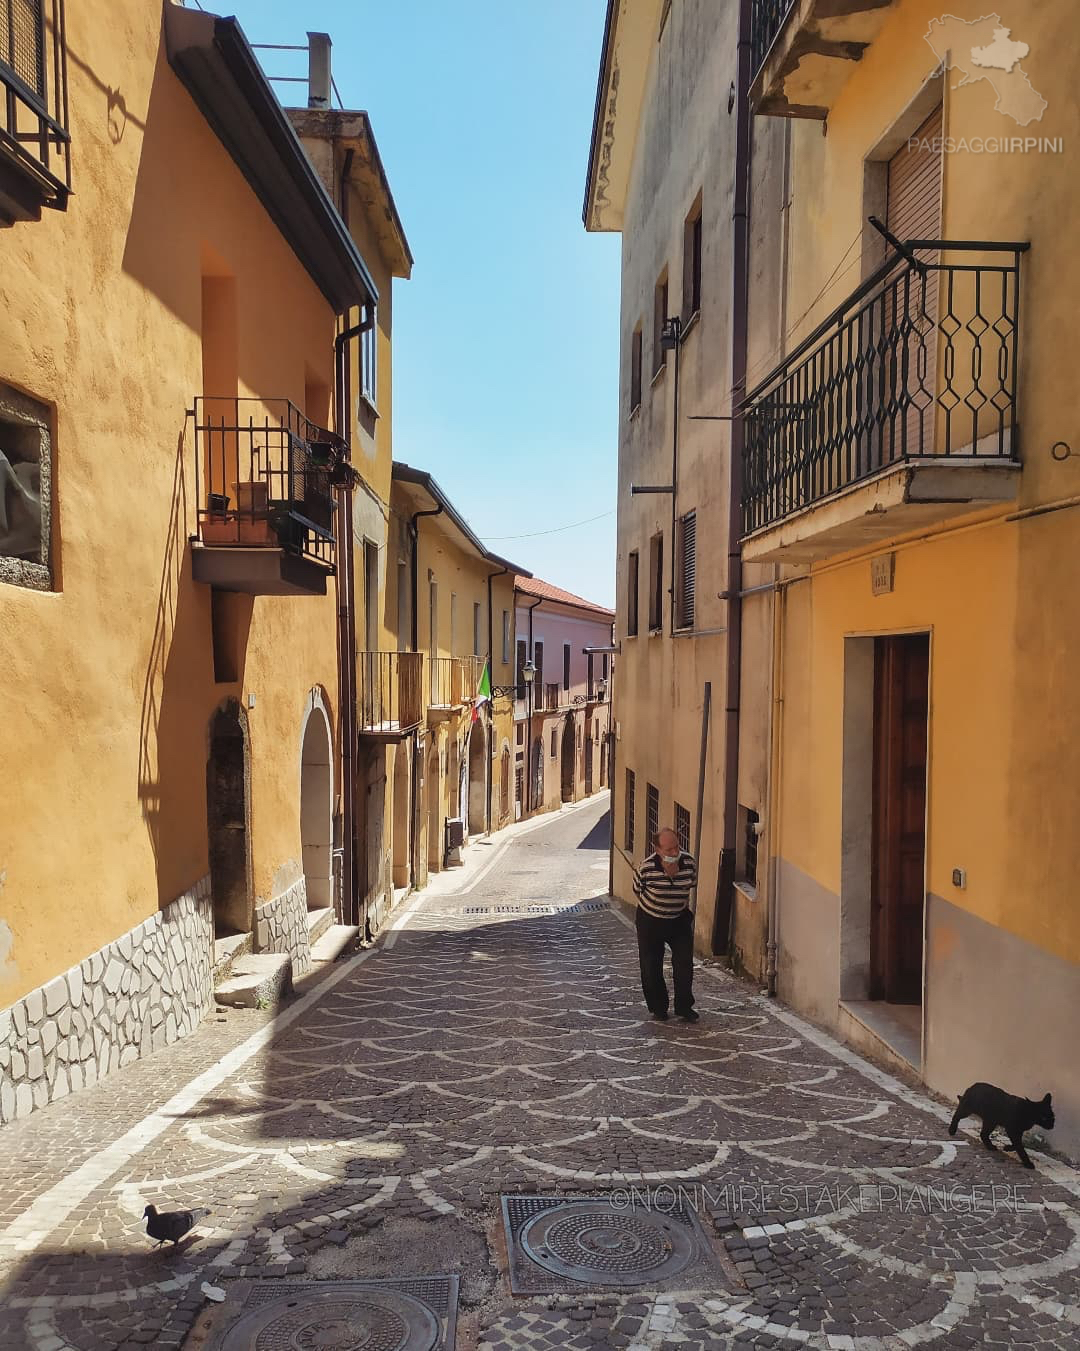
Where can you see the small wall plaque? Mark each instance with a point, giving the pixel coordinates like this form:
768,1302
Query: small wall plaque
882,573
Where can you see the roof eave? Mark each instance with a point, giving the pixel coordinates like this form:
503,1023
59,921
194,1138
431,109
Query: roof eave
214,61
420,478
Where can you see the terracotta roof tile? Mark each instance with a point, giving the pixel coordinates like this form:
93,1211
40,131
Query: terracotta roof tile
533,586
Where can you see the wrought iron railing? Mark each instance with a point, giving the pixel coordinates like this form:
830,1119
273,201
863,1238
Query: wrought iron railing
766,19
919,362
265,477
34,96
453,681
390,687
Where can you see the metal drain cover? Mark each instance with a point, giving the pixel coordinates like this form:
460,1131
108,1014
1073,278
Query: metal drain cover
341,1316
588,1241
591,1243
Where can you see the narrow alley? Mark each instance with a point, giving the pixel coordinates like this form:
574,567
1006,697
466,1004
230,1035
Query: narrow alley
479,1072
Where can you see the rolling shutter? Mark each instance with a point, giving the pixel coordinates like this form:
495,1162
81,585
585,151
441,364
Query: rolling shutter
914,212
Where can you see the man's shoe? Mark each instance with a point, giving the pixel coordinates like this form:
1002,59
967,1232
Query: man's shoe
691,1016
662,1016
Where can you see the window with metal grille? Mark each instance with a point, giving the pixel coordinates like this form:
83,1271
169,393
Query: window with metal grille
632,595
692,262
686,571
635,369
656,583
652,812
660,314
34,140
22,41
682,826
631,790
25,491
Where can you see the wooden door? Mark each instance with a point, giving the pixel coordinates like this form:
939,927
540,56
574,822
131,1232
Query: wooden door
901,707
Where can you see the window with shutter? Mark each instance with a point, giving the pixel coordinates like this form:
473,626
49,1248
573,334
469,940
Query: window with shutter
686,570
652,812
656,582
538,679
566,666
632,595
635,369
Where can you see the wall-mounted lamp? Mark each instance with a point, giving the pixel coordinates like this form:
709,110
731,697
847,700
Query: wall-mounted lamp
671,333
528,673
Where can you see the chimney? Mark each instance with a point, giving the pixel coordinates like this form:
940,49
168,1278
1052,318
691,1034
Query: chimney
318,70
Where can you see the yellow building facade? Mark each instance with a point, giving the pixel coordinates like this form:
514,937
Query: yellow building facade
902,504
170,625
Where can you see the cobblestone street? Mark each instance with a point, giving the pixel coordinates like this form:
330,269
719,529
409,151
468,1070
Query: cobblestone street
494,1043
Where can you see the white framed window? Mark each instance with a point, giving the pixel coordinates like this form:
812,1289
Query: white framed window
369,342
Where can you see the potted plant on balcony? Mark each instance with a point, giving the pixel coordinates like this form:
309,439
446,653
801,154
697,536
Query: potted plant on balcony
218,525
253,512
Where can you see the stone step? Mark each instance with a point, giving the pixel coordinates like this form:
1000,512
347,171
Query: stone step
227,951
318,921
257,980
339,938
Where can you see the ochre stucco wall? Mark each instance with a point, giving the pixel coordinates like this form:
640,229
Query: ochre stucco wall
109,680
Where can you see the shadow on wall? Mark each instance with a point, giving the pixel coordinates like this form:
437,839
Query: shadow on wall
172,761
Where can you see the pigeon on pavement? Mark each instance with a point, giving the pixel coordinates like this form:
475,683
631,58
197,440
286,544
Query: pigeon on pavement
170,1226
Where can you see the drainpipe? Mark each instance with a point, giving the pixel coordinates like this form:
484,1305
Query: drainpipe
491,680
346,577
725,882
414,537
530,787
776,735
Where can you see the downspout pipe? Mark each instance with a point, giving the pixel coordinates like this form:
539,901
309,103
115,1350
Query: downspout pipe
530,787
414,540
346,604
724,910
491,680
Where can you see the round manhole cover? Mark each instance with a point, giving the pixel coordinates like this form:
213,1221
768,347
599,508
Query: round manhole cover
370,1320
590,1242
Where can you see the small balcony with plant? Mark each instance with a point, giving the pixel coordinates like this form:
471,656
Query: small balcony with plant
266,480
899,411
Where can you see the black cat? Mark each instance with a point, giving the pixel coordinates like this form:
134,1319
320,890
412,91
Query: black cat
998,1108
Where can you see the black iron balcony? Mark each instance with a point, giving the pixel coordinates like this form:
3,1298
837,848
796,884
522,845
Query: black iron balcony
264,487
390,694
911,385
35,163
803,51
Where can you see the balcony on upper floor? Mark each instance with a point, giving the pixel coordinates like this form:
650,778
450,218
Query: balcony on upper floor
390,694
802,51
453,682
898,411
265,479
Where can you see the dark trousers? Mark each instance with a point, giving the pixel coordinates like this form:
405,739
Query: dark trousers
678,935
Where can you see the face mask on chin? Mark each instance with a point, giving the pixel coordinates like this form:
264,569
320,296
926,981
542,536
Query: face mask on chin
669,858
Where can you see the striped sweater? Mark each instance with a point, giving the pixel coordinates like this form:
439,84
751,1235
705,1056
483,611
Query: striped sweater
662,896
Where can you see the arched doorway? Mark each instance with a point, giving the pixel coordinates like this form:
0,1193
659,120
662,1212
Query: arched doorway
434,797
569,750
504,783
478,778
538,775
317,808
401,822
228,814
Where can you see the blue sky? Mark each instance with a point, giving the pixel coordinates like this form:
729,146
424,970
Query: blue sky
506,338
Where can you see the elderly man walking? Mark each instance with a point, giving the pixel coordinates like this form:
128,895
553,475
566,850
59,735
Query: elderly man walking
663,886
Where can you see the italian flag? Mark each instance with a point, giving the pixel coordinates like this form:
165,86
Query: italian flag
483,693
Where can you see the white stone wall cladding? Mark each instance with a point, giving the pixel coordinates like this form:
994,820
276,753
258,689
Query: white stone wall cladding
150,987
281,925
